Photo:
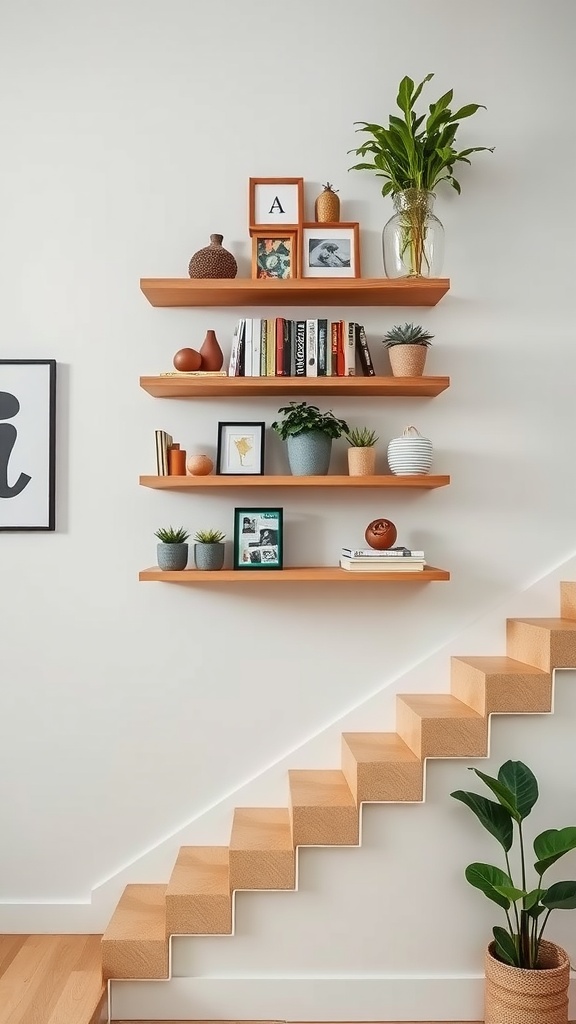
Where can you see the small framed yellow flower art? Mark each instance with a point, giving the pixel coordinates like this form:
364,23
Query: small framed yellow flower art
274,254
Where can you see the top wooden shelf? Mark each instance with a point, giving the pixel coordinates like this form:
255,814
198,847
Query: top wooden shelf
238,291
252,387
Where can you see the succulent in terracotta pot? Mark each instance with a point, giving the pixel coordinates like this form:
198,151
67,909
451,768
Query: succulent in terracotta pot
362,453
407,346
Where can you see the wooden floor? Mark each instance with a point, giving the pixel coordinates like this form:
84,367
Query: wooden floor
51,979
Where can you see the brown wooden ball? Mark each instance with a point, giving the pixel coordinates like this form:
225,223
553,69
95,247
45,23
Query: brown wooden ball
381,534
187,359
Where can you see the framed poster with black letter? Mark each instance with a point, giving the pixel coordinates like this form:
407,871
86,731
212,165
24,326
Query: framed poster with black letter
258,538
27,444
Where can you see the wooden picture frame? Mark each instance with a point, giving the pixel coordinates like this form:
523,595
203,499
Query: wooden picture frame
28,444
241,449
338,244
258,539
275,202
275,254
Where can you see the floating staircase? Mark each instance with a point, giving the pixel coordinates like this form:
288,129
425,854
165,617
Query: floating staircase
325,805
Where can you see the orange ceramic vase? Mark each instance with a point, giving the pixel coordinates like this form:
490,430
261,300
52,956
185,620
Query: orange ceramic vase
211,354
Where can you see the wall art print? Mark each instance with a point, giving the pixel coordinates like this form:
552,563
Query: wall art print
27,444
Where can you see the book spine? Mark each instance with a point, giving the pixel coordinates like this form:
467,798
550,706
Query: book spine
292,329
241,349
363,351
234,351
362,553
349,350
323,353
300,348
311,348
248,348
270,347
280,371
256,345
334,349
158,443
287,345
263,348
340,356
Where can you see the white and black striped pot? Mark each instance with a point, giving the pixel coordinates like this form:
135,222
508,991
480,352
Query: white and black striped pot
410,454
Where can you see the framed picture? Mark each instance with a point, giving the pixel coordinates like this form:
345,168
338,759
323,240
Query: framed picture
275,254
330,250
27,444
275,201
258,540
240,449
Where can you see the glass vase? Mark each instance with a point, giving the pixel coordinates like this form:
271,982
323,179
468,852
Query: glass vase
413,239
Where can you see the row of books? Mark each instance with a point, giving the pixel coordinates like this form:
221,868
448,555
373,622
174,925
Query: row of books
398,559
299,348
164,441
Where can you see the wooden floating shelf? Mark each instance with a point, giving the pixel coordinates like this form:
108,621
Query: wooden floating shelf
201,483
251,387
308,574
361,291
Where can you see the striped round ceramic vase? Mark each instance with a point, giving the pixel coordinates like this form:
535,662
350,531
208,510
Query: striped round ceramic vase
410,454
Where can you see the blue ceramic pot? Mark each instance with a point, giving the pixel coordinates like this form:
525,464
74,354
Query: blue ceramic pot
309,453
172,556
209,556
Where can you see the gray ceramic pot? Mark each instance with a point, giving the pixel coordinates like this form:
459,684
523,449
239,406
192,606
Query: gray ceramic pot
172,556
309,454
209,556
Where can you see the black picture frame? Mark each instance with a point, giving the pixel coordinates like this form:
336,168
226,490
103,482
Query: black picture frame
229,463
27,445
253,550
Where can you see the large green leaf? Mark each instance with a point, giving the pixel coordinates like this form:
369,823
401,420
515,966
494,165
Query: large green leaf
533,898
549,846
560,896
420,86
518,778
485,877
495,818
501,792
404,98
505,946
511,892
467,110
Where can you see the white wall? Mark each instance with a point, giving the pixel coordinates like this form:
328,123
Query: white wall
129,131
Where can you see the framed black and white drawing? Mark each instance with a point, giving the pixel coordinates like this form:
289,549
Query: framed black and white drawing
27,444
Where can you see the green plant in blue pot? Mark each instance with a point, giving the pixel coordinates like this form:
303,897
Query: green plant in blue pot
209,550
173,549
308,434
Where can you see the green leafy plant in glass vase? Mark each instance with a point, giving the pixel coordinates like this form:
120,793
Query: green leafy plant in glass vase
308,434
519,948
414,153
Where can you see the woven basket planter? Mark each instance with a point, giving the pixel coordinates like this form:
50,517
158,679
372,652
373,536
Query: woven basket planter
517,996
407,360
361,461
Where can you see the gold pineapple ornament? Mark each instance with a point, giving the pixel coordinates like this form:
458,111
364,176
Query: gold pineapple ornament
327,206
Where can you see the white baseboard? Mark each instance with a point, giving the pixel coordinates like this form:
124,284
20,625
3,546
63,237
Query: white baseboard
301,999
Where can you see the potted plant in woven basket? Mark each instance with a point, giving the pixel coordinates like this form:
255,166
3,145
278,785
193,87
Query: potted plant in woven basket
526,977
407,347
361,453
308,434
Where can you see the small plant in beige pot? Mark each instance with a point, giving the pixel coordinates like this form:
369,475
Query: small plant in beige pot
407,346
526,977
362,453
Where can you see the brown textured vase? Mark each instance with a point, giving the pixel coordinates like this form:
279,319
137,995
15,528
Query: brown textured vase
213,261
361,461
407,360
327,206
517,996
211,353
380,534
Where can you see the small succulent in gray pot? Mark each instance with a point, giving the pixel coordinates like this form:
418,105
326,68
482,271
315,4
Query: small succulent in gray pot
173,549
209,550
407,347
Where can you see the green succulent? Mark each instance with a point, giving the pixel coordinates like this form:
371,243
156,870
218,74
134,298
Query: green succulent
209,536
169,535
408,334
361,437
416,151
301,418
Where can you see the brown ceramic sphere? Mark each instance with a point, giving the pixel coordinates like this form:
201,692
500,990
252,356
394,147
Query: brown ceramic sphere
199,465
187,360
381,534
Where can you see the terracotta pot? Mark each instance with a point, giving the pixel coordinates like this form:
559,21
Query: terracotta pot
211,354
407,360
187,360
381,534
361,461
199,465
517,996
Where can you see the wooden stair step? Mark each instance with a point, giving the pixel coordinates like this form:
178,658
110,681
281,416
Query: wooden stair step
322,809
544,643
440,725
261,849
134,944
500,685
568,600
379,766
198,897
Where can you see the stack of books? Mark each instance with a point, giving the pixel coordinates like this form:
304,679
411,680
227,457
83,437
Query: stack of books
399,559
299,348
